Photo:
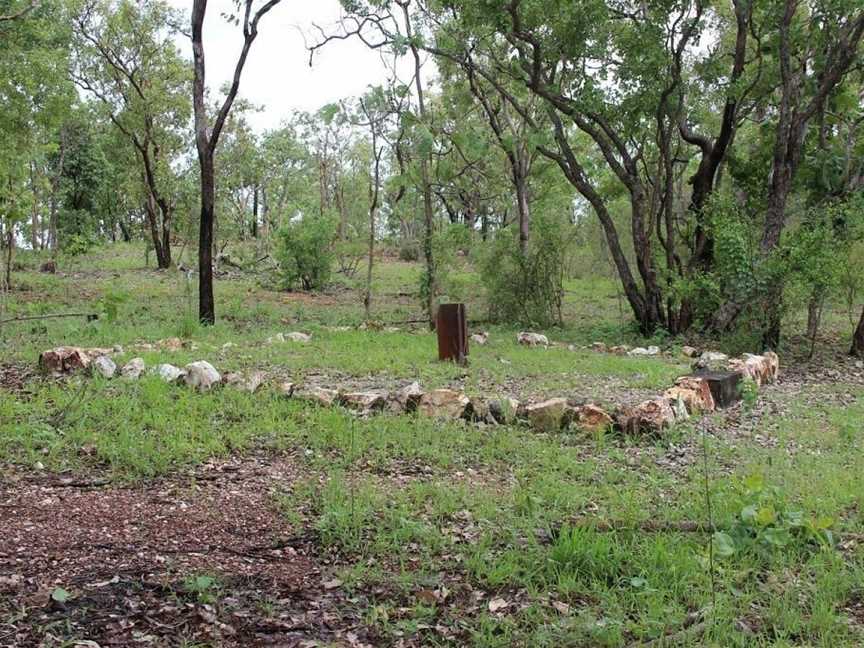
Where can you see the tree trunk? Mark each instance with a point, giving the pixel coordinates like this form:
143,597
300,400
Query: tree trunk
206,303
255,211
160,234
428,213
857,349
523,207
206,141
10,246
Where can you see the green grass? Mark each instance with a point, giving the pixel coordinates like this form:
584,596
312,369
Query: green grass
427,522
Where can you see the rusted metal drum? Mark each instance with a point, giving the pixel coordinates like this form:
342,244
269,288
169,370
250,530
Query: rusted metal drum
452,328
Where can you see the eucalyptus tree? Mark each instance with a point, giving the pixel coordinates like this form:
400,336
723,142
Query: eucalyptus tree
124,55
287,174
207,134
34,91
240,170
398,28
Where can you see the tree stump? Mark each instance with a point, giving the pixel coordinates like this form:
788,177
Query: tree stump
723,385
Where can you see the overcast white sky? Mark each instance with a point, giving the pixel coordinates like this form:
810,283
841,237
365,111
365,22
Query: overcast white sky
277,74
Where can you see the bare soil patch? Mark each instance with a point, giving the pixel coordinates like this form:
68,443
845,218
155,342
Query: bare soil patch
206,559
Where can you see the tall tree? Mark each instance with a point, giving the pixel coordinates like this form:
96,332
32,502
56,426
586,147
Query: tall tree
207,136
125,56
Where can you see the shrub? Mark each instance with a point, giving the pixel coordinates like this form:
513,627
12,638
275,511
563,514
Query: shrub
304,252
528,288
349,254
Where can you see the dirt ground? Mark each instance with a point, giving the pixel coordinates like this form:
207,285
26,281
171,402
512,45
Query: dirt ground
200,560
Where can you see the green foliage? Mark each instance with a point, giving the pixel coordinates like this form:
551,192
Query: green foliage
349,254
110,304
77,244
304,251
766,523
526,288
749,391
204,588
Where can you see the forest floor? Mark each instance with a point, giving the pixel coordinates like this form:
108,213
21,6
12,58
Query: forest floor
141,513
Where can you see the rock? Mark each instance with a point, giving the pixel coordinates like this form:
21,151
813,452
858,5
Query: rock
287,389
640,351
201,375
318,395
600,347
504,410
169,373
104,366
621,349
444,403
296,336
479,410
392,329
170,344
649,417
63,360
249,383
712,361
750,367
117,348
679,409
723,386
364,402
695,392
690,352
49,267
773,366
532,339
859,364
592,418
408,397
550,415
480,338
133,369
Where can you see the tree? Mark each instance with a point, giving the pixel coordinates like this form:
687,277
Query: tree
34,92
814,48
857,349
207,137
395,26
125,56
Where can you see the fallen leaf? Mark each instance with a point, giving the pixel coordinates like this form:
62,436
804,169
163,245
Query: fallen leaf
427,596
562,607
497,604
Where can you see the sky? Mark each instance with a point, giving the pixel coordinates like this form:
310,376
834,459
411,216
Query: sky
277,75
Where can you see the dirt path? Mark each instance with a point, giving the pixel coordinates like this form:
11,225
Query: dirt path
206,559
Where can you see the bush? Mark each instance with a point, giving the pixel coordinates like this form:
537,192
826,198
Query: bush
528,288
349,254
409,250
305,254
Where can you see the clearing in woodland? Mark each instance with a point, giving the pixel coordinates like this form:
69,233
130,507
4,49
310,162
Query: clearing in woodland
142,512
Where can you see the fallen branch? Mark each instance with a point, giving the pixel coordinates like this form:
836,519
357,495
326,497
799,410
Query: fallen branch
25,318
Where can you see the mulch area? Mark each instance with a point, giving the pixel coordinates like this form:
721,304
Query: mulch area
206,559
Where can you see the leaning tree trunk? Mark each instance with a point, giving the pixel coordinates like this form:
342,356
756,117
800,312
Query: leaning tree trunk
857,349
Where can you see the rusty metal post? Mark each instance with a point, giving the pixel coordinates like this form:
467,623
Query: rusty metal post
452,328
